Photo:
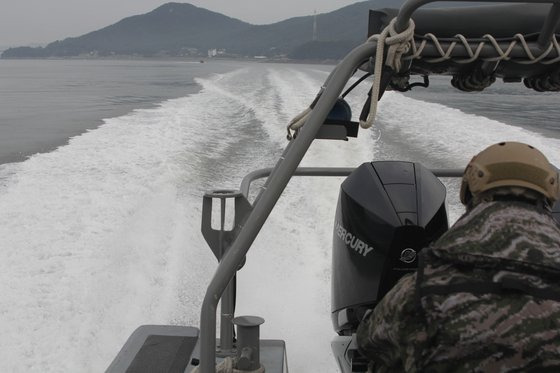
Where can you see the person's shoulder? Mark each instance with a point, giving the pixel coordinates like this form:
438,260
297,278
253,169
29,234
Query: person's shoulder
508,211
388,320
488,218
400,297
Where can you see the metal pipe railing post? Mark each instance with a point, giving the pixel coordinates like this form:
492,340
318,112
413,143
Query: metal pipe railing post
227,299
226,320
549,27
262,208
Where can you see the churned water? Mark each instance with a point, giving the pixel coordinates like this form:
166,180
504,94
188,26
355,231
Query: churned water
101,233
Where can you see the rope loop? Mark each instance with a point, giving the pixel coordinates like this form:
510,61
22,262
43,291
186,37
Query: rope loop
399,44
297,122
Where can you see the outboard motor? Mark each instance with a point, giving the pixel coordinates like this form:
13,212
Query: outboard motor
387,211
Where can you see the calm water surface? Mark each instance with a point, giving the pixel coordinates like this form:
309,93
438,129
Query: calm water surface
45,102
510,103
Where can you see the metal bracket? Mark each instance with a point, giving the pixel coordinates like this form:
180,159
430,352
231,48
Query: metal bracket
220,239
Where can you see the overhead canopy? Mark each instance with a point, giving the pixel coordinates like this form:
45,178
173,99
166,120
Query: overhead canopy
477,59
501,21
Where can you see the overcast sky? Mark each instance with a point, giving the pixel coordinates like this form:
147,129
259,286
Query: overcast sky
25,22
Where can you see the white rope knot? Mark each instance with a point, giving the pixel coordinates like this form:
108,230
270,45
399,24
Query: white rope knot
399,44
297,122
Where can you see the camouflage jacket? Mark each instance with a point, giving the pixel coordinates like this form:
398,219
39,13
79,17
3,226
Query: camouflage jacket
485,298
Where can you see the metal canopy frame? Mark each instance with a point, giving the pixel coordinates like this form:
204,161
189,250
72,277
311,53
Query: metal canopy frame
550,24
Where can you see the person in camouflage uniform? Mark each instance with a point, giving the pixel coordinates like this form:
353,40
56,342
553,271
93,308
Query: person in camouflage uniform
486,295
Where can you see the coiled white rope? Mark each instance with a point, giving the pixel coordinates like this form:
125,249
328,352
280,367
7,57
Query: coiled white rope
298,121
474,54
399,44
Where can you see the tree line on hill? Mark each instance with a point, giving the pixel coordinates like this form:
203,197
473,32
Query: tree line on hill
181,29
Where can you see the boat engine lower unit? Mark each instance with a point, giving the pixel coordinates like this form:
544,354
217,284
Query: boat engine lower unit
387,211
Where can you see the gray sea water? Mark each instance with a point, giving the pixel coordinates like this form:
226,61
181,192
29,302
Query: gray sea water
45,102
100,206
510,103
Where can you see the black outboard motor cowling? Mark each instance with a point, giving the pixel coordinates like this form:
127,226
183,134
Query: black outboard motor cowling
387,211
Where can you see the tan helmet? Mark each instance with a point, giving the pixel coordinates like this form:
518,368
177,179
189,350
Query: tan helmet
510,164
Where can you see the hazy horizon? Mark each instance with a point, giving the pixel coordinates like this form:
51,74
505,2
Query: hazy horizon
59,19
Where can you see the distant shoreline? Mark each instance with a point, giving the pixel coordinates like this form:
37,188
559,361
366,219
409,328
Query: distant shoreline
171,58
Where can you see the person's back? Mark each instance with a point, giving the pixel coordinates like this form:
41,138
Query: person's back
490,290
486,296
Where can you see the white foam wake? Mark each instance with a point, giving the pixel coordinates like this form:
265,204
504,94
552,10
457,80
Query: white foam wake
102,235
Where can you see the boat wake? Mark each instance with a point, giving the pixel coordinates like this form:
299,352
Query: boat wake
103,234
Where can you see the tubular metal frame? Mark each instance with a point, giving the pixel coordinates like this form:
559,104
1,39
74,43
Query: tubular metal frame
327,172
408,8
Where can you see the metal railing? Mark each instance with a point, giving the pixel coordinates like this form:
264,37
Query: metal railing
327,172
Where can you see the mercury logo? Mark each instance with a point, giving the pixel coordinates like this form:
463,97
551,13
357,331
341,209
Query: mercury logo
408,255
351,240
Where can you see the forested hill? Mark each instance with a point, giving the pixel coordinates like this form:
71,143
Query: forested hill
180,29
